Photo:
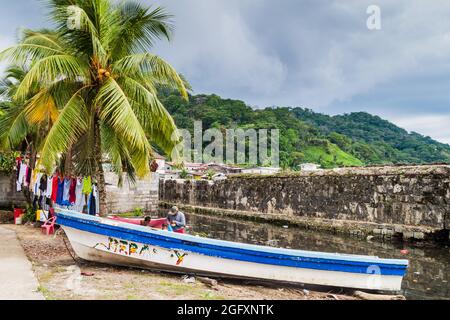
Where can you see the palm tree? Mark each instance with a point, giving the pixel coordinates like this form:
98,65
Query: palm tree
97,69
21,121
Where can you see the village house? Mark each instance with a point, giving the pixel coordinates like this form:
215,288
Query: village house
309,167
261,170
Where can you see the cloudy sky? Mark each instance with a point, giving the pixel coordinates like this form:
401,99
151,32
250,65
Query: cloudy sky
310,53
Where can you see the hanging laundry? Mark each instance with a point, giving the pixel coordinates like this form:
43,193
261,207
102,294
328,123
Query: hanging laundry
27,177
43,184
66,191
35,182
18,164
48,193
60,191
96,197
80,197
22,174
91,205
87,185
54,188
72,191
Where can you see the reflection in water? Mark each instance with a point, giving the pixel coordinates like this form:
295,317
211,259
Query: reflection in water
428,273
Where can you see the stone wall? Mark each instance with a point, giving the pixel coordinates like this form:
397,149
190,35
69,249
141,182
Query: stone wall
386,199
143,194
9,198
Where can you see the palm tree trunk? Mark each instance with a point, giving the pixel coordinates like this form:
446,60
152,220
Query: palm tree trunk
68,163
99,173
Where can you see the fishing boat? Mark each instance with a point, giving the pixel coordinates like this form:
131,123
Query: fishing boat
154,223
159,223
120,243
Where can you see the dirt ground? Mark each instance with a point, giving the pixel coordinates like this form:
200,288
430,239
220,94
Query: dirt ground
62,277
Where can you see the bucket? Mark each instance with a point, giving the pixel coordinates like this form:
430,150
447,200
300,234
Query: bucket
18,220
18,213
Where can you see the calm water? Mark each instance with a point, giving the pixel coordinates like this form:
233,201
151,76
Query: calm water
428,274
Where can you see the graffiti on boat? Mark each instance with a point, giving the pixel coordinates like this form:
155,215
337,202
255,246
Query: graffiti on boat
131,248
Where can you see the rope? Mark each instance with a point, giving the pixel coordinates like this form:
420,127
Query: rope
68,250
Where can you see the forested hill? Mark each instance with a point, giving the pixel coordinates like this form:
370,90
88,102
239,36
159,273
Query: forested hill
376,140
346,140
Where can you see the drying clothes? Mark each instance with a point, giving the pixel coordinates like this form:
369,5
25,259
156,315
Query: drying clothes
21,178
48,193
18,164
60,191
36,180
80,197
87,185
96,197
91,205
28,177
43,184
33,180
66,191
72,192
55,181
35,202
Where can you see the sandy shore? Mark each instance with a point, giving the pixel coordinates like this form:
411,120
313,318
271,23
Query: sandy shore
62,277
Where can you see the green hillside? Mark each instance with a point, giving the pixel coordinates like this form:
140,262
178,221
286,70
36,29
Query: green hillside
375,140
346,140
330,156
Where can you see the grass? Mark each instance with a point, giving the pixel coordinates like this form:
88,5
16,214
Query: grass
210,296
330,155
45,277
174,288
46,293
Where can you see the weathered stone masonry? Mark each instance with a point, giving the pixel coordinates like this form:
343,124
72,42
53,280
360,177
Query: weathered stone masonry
410,201
143,194
9,197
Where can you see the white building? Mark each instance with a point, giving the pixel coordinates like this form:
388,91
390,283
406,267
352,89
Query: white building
309,167
261,170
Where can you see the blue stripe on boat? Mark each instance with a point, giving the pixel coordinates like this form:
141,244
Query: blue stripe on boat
234,251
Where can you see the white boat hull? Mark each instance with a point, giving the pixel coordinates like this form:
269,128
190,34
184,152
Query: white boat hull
99,248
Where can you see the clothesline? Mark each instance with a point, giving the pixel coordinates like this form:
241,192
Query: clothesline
75,193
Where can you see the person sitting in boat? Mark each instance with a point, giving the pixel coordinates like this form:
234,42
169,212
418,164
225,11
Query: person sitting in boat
177,219
146,221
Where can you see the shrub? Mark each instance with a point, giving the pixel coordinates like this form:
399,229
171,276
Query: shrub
7,162
138,212
29,214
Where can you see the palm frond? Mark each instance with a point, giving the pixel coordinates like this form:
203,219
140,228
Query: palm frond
155,119
150,65
84,35
41,108
49,70
140,27
13,126
115,109
71,124
118,154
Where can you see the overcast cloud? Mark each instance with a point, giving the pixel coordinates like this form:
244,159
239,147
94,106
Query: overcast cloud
309,53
